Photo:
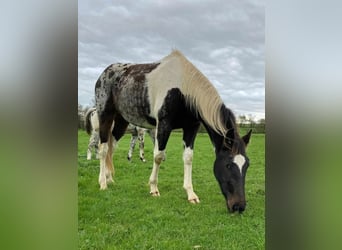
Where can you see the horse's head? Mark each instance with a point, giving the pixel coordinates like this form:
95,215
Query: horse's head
230,169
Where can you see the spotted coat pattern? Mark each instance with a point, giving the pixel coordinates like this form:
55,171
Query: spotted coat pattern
116,78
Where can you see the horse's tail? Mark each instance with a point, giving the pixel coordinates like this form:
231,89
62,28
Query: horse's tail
87,120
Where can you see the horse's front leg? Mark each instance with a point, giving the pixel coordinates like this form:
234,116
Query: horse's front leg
158,156
163,133
189,138
187,158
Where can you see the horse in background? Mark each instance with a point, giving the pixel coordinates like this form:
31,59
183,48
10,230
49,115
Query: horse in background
138,134
92,126
169,94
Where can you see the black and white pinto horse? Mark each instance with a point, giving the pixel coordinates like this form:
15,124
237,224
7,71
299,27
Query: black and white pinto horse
166,95
138,134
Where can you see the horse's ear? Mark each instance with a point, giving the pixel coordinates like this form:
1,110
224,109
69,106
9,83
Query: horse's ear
246,137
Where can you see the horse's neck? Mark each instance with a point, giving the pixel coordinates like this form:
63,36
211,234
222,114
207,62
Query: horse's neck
216,139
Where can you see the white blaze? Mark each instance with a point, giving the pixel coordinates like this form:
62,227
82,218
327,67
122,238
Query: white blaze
239,160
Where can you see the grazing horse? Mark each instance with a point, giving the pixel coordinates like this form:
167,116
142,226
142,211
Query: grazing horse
92,127
169,94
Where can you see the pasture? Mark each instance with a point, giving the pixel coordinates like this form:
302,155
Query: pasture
126,217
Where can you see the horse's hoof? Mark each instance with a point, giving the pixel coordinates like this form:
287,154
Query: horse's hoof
103,186
155,194
194,201
110,180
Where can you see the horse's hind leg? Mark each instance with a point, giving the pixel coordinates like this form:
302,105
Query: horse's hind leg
103,152
119,129
163,132
106,167
96,146
109,160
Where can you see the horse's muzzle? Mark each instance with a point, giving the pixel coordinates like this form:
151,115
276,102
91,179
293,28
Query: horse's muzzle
236,206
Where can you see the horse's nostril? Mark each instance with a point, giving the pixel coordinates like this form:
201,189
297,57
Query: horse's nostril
238,208
235,207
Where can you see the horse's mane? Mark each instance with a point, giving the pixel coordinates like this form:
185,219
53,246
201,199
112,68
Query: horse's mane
201,95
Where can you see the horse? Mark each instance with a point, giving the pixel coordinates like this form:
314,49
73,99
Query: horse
169,94
92,127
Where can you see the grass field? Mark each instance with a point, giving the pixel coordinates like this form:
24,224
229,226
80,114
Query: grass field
125,216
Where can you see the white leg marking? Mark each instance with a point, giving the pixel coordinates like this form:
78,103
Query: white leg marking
89,154
158,157
103,150
239,160
187,158
109,173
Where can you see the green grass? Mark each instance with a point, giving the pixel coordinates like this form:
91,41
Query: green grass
125,216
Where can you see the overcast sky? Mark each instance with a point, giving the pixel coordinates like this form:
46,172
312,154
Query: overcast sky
223,38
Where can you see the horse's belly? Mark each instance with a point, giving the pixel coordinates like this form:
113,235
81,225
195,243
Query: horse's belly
137,112
138,120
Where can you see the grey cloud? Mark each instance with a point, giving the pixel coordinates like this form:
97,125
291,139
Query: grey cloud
224,39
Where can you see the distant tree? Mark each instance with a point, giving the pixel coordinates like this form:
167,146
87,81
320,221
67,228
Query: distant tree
81,113
80,108
251,119
249,122
262,121
242,120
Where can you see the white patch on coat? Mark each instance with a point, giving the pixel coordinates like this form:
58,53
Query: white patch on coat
239,160
187,158
166,76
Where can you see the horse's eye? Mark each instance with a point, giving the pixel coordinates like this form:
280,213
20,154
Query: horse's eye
228,166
